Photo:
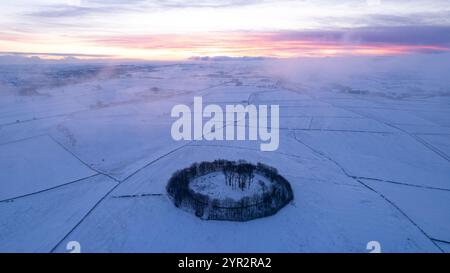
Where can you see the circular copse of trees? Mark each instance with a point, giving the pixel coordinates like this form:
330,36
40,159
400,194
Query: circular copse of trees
229,190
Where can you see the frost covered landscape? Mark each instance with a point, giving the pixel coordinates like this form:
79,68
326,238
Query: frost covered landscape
225,126
86,153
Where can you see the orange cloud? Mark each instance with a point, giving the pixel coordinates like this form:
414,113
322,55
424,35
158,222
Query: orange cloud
267,44
260,44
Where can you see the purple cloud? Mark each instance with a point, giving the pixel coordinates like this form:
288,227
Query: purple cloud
405,35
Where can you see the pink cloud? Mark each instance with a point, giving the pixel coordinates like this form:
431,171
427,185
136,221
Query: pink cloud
271,44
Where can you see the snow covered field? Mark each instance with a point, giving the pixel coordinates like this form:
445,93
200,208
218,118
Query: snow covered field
214,185
86,152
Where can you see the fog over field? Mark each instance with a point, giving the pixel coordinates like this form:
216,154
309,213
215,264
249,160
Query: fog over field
86,152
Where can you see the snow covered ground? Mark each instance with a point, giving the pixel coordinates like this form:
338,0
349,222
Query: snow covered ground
86,152
214,185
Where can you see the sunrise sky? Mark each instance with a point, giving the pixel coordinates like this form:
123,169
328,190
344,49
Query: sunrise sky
175,29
